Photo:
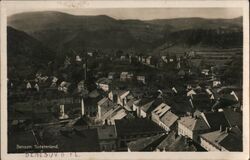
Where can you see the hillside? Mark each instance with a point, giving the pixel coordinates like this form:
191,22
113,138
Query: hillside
199,23
25,54
199,39
63,32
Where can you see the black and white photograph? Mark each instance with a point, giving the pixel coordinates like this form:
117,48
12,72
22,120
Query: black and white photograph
125,79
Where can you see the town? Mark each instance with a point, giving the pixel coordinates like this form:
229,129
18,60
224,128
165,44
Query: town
129,102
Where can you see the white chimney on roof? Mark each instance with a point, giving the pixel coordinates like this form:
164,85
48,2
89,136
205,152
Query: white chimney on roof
174,89
235,96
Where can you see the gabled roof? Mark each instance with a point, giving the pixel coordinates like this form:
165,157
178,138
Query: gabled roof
233,118
104,100
130,104
118,113
231,143
194,123
228,140
180,104
106,104
146,144
215,119
174,142
161,109
169,118
144,101
147,106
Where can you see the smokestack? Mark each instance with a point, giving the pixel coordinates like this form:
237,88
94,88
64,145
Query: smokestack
82,107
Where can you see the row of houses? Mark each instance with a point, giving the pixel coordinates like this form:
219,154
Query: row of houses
105,83
212,131
209,129
133,118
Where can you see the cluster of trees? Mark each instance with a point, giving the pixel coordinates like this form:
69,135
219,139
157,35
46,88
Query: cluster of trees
207,37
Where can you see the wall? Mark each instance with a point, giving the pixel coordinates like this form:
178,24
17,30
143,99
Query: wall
182,130
207,146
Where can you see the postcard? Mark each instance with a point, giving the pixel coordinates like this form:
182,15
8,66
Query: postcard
124,80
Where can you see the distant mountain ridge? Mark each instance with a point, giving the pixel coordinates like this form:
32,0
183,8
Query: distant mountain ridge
63,32
43,20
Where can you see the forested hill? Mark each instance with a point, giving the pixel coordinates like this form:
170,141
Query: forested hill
63,32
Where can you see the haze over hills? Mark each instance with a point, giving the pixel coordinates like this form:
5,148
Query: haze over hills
63,32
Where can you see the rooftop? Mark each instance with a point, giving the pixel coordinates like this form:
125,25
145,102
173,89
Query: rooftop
194,123
104,80
119,113
228,140
169,118
215,119
106,105
145,101
106,132
146,144
120,92
174,142
234,118
136,126
71,140
130,103
146,107
161,109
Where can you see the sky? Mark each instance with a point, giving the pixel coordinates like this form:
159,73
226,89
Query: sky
148,13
